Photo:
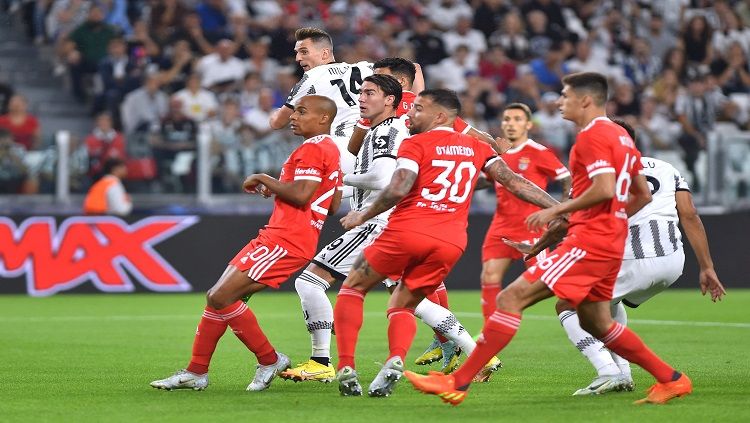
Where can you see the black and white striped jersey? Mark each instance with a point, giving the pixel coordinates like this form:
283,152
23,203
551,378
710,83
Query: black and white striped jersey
381,142
653,231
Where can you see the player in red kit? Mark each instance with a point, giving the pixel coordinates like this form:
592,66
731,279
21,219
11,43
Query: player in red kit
431,188
582,270
539,165
305,194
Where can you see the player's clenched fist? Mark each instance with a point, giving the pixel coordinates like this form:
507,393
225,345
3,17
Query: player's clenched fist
352,220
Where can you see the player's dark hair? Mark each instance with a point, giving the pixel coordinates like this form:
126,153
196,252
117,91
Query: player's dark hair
111,164
629,129
445,98
317,35
398,66
389,85
594,84
519,106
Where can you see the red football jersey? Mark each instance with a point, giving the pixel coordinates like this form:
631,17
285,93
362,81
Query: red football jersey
603,147
534,162
447,164
407,102
298,228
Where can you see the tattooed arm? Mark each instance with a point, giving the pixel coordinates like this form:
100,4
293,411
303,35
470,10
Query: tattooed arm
400,185
518,185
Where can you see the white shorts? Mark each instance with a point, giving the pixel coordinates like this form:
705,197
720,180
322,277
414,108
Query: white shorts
641,279
338,256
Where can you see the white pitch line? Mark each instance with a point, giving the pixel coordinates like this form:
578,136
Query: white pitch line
195,317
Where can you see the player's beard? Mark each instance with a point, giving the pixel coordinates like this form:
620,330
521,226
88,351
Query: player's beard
414,129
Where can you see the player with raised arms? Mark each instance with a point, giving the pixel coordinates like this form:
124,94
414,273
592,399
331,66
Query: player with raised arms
305,194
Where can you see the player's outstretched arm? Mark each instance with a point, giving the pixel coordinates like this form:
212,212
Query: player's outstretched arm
297,193
418,85
518,185
280,117
640,195
355,142
696,235
400,185
376,178
602,189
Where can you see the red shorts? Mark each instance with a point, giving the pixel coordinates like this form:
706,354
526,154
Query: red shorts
267,262
574,274
495,248
420,261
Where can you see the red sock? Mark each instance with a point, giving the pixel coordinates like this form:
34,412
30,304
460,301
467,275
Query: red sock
442,293
245,326
625,343
489,300
401,330
435,298
210,329
347,317
497,333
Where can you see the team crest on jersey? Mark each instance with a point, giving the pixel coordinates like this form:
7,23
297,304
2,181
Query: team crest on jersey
523,163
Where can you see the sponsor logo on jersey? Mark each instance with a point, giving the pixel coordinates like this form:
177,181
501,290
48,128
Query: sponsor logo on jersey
106,251
597,164
308,171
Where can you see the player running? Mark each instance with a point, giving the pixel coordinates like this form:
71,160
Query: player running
306,193
606,167
653,261
426,233
341,82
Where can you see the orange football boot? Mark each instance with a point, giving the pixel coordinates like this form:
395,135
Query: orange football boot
660,393
437,383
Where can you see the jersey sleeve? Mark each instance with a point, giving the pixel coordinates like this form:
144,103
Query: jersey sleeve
410,155
680,184
308,162
460,125
486,153
595,155
301,89
551,166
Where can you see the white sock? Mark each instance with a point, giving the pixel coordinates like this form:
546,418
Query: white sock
621,317
445,322
317,310
592,348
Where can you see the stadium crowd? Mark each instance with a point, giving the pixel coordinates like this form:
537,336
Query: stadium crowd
158,73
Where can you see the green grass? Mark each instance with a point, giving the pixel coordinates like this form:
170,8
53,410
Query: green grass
90,358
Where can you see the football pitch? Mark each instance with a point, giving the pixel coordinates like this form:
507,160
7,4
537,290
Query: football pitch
88,358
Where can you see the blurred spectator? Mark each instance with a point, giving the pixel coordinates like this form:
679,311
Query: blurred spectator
525,89
511,37
23,127
675,60
6,92
656,131
103,143
257,118
488,16
220,71
119,75
731,70
213,16
14,176
178,67
198,103
550,69
625,102
144,108
451,72
666,88
660,39
496,67
226,144
445,13
552,13
464,34
192,32
259,62
178,133
589,59
115,15
166,17
428,45
108,195
555,131
86,47
402,13
732,30
642,67
143,50
696,111
64,16
540,34
282,39
339,29
696,38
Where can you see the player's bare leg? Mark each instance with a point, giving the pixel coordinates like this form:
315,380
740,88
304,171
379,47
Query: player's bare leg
493,272
224,309
348,316
311,287
596,318
609,377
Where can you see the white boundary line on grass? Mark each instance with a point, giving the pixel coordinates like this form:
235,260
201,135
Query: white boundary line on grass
162,317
